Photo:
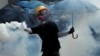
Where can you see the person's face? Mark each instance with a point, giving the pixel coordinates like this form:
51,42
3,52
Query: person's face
44,12
41,18
42,15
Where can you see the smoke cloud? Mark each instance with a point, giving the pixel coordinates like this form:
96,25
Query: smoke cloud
14,41
88,28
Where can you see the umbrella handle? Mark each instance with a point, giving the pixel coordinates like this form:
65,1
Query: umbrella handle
74,36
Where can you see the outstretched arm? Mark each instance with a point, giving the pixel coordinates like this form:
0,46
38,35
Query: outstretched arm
28,30
61,34
23,24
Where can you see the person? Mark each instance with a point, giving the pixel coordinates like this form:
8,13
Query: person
48,32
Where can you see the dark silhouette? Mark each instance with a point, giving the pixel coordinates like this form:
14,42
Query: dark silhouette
49,33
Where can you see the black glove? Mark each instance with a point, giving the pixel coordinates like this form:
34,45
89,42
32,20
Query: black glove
71,30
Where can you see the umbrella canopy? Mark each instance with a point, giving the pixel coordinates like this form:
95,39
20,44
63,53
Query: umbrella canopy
68,9
75,6
35,4
22,3
12,13
30,6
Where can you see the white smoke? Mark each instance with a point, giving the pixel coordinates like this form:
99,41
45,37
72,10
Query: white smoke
9,35
14,41
95,2
8,30
85,44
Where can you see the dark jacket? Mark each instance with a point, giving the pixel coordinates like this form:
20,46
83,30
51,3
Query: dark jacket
49,35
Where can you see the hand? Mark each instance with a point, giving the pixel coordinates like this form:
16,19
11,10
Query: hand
28,30
71,30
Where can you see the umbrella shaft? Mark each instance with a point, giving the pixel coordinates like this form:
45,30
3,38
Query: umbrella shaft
72,19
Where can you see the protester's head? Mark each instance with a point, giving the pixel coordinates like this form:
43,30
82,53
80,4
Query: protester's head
41,12
40,9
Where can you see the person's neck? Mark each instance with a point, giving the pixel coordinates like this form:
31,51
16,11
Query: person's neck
43,22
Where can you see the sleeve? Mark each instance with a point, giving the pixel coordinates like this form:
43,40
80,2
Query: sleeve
35,29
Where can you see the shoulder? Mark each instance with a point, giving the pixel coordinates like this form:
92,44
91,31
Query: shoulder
51,22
